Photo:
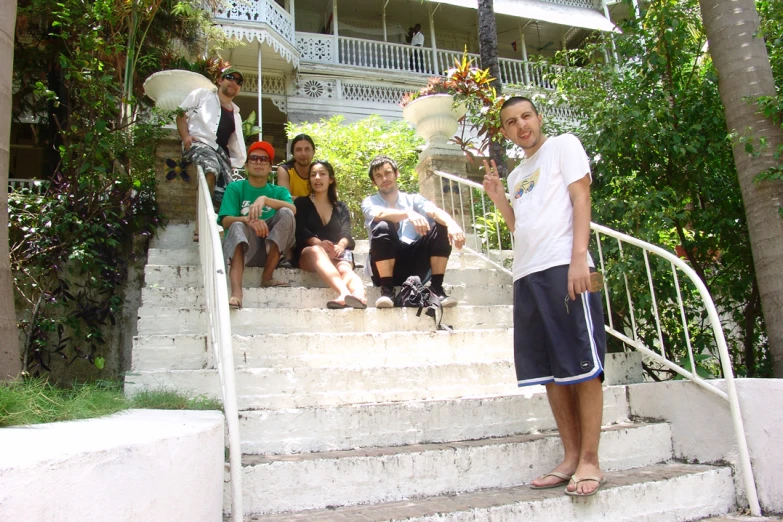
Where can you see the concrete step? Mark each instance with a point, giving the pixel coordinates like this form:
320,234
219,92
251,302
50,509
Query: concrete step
190,257
274,388
274,484
303,297
355,350
174,276
250,321
656,493
178,235
346,427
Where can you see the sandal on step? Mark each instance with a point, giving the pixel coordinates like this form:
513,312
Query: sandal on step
564,479
234,303
335,305
354,302
576,481
195,237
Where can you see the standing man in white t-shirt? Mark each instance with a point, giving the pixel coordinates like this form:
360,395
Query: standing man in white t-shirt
559,338
417,40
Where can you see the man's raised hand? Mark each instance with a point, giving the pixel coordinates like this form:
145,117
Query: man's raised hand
493,185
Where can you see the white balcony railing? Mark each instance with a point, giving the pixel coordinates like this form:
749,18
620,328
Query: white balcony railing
385,56
259,12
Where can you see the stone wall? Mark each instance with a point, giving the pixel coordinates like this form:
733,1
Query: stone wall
177,198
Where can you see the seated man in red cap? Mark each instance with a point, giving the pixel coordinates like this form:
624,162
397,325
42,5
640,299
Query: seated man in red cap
259,222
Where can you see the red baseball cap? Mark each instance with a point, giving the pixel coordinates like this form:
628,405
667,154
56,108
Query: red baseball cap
265,146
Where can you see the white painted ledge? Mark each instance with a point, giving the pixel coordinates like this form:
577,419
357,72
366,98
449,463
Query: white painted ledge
149,465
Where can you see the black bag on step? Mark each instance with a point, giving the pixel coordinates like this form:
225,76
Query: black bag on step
414,294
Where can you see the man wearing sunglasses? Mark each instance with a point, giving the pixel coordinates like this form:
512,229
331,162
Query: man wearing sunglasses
210,126
259,222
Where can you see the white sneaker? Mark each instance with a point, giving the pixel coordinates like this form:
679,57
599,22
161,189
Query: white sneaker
384,301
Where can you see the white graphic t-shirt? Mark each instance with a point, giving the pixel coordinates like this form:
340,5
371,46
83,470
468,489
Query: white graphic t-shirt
544,229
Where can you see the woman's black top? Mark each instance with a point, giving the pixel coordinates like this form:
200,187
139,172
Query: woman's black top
309,224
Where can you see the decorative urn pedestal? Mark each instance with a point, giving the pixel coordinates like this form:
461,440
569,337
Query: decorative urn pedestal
434,117
170,88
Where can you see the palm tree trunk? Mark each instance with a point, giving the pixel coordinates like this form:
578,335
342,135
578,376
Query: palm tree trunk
9,347
488,51
744,73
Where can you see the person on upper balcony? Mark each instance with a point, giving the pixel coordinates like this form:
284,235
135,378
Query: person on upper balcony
417,56
258,219
210,126
294,173
408,234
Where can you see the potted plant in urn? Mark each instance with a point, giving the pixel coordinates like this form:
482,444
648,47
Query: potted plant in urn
463,97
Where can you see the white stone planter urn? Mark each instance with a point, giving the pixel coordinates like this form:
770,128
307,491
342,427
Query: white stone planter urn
434,117
170,88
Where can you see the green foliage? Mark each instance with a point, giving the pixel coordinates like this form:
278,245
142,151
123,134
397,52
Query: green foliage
663,171
36,401
351,147
167,399
78,69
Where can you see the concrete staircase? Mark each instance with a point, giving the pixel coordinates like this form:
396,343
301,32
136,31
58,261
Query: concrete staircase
372,415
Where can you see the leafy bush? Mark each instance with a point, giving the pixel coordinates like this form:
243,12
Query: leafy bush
351,147
663,171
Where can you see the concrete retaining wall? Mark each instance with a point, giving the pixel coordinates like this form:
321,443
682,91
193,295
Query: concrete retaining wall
702,428
148,465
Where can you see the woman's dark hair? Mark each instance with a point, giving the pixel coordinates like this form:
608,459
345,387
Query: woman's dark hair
331,192
301,137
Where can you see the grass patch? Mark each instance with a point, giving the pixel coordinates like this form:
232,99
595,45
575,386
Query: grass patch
166,399
36,401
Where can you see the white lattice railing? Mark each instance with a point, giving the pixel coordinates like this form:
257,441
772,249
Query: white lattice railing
466,201
271,85
259,11
213,269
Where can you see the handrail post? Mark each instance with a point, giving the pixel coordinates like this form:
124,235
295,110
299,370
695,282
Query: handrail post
219,333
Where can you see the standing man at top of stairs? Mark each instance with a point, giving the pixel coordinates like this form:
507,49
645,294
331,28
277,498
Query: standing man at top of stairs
403,241
559,339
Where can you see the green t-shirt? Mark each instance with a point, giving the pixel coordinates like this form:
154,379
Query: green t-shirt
241,194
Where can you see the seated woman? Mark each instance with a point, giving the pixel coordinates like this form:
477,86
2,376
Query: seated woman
323,238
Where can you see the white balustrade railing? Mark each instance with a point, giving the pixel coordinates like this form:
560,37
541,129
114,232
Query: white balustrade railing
219,333
385,56
259,11
32,184
467,202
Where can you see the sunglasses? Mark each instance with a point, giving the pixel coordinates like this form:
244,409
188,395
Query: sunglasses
234,78
258,159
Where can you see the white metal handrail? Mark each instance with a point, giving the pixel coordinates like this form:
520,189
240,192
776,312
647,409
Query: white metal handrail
456,186
219,332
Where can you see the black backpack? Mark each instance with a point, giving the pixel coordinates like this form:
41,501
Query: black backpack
414,294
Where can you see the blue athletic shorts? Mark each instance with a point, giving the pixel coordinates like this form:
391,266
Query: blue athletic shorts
556,339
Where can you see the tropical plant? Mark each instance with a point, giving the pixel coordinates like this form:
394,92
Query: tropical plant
78,68
471,87
663,172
